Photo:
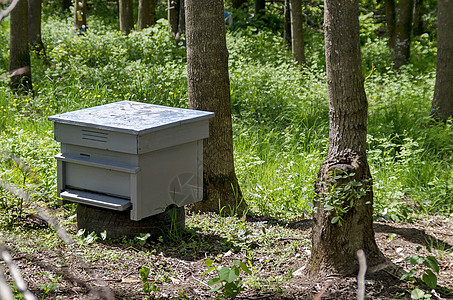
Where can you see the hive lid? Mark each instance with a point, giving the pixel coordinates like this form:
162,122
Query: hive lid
131,117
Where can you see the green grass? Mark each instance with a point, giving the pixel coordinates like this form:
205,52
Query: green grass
280,112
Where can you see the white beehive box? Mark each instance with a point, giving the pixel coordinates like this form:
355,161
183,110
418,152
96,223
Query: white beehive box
131,155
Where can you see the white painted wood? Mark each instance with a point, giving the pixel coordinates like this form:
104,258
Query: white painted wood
96,199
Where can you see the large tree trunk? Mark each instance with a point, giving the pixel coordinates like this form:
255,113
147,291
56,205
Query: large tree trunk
80,15
146,10
209,89
442,106
391,20
297,31
34,26
403,31
336,235
19,55
126,11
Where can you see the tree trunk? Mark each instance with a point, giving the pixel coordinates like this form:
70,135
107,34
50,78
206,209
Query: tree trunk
417,27
34,26
237,4
337,235
297,31
66,5
146,10
403,33
126,11
390,19
259,6
209,89
19,55
173,16
442,106
80,15
181,20
287,23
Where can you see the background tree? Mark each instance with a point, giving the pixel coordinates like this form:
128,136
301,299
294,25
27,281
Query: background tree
176,18
65,5
442,105
126,15
287,23
80,15
403,29
333,246
237,4
146,10
259,6
209,89
417,23
34,25
390,20
297,31
19,55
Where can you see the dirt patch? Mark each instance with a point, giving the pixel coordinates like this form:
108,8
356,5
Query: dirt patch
276,253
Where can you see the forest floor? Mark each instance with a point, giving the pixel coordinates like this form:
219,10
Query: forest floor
95,268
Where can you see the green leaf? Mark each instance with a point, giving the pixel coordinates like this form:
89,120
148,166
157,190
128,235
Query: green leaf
214,281
430,279
335,219
415,260
209,262
431,262
409,275
417,294
228,275
245,268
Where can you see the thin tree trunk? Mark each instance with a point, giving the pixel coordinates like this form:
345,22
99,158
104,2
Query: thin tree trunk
417,27
146,10
80,15
34,26
259,6
181,20
19,57
334,247
209,89
173,16
287,23
297,31
442,106
391,20
126,11
403,33
237,4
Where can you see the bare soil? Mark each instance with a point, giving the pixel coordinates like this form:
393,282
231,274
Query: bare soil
110,269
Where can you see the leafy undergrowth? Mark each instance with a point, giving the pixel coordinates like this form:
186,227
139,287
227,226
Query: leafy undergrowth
273,252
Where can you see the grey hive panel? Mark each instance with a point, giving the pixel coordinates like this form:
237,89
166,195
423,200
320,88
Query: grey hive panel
131,155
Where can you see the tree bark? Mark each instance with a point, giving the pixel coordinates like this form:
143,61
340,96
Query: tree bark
297,31
34,26
334,247
442,105
417,27
287,23
126,11
19,57
237,4
391,20
259,6
173,16
146,10
80,15
209,89
403,31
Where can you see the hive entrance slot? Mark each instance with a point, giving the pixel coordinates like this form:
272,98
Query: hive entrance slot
96,199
